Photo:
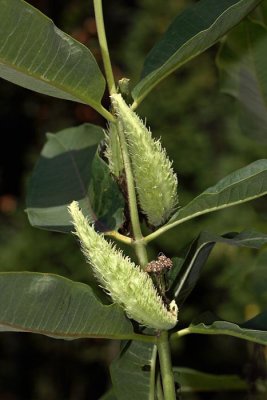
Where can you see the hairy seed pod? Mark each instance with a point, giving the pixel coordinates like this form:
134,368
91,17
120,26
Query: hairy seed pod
156,183
126,283
113,151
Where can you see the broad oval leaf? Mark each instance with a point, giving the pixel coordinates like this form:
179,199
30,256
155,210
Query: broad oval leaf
133,371
70,169
254,330
182,284
243,185
242,62
58,307
191,380
191,33
35,54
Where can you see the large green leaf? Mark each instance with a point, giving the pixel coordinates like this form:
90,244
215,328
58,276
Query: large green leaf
191,380
133,372
184,281
70,169
242,62
254,330
55,306
191,33
35,54
243,185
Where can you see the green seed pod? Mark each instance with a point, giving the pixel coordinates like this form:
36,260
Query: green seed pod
113,151
156,183
126,283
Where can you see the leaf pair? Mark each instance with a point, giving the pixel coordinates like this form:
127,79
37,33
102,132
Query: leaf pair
55,306
53,63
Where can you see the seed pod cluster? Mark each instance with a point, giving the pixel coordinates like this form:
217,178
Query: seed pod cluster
156,183
126,283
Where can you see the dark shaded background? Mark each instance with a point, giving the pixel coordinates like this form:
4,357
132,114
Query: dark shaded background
198,127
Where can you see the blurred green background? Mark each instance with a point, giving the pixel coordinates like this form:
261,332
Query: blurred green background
199,128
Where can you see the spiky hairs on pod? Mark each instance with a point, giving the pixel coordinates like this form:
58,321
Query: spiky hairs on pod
126,283
113,150
156,182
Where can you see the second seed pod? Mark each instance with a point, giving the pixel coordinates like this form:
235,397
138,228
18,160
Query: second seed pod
156,182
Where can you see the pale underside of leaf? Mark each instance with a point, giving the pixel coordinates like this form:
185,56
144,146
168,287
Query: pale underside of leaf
55,306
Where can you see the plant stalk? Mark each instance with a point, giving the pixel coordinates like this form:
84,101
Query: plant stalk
153,374
166,366
104,46
159,389
138,243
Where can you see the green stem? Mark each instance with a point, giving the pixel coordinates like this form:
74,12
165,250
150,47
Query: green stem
138,243
216,331
166,367
106,114
182,332
103,45
118,236
153,374
140,338
159,388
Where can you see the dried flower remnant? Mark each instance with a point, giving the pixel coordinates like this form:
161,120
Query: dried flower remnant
160,265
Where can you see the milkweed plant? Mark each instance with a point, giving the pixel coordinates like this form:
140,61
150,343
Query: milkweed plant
117,185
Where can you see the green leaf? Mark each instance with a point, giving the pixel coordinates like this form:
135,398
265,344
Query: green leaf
183,282
55,306
106,198
177,263
70,169
191,380
254,330
243,185
242,63
192,32
133,372
35,54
